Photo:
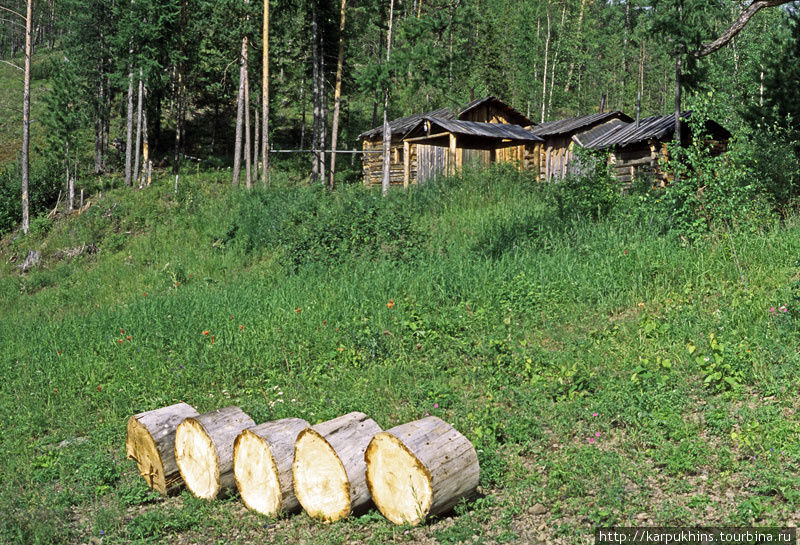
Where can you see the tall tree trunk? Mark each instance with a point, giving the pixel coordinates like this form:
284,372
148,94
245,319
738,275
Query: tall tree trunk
256,141
555,60
247,143
265,98
144,178
129,130
315,165
544,72
323,107
678,63
26,118
337,95
387,132
237,149
138,128
302,112
70,182
568,86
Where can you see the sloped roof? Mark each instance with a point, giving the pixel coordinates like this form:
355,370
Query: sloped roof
658,127
499,131
517,117
404,124
599,131
573,124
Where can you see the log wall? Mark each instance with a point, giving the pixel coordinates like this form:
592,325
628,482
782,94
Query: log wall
373,162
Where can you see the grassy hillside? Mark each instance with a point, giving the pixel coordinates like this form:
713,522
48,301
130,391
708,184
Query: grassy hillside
607,373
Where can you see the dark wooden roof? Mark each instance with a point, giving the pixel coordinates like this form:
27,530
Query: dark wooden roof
499,131
402,125
659,127
598,131
575,124
515,116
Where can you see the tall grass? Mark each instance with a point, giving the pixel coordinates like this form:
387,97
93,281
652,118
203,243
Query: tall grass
468,298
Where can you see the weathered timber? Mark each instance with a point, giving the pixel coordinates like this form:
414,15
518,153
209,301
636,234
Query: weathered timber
262,465
419,469
329,470
151,443
204,450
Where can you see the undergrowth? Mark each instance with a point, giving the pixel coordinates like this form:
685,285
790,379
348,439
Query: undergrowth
595,363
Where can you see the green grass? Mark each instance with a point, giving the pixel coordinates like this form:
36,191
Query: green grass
607,372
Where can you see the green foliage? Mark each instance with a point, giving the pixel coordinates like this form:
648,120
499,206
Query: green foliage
591,191
44,185
309,225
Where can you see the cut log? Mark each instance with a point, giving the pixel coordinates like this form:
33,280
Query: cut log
151,443
204,450
262,465
329,467
420,469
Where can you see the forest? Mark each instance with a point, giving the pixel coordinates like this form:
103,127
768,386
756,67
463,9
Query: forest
186,225
123,85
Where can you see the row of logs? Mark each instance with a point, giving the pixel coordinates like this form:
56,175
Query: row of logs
331,470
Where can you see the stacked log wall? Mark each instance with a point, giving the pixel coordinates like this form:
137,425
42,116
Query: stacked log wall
373,162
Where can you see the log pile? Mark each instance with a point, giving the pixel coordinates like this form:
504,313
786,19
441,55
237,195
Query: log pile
331,470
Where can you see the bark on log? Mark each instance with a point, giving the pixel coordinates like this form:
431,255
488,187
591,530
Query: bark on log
151,443
329,470
262,465
204,450
420,469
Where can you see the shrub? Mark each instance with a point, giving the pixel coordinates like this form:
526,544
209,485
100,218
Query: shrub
591,191
311,225
44,184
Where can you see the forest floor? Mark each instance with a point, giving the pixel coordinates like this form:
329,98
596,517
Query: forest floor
607,373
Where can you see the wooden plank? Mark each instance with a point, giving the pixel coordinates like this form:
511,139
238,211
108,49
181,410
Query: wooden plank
452,156
406,163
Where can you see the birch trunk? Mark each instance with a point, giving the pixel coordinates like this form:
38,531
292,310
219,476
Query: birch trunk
237,149
129,130
337,95
138,130
544,72
265,99
247,144
315,166
26,119
387,133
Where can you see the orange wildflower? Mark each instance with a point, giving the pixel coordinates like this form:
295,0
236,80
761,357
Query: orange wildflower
390,304
298,310
241,327
206,332
119,340
128,337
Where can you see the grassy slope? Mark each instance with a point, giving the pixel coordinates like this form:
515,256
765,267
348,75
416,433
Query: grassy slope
559,349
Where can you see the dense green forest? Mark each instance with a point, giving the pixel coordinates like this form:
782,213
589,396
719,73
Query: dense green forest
115,75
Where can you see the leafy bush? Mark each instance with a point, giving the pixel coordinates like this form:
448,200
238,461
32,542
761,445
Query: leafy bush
44,185
311,225
591,192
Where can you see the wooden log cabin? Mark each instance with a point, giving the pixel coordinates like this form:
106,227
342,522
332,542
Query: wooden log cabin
404,157
444,146
636,149
556,154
